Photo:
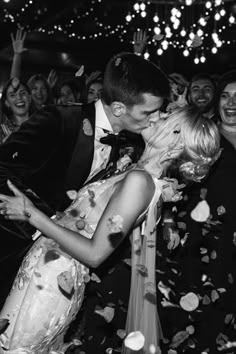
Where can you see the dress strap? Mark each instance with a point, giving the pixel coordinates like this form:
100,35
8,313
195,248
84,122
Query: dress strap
142,313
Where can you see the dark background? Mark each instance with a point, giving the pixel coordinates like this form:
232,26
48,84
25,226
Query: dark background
54,42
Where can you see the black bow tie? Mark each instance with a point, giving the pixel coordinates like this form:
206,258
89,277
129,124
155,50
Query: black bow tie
123,143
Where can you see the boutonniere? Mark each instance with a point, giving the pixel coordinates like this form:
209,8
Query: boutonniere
87,127
123,163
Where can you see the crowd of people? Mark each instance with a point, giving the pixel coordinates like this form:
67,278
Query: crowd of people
117,210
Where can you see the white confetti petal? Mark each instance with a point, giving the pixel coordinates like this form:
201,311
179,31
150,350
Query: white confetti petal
107,313
134,340
189,302
201,212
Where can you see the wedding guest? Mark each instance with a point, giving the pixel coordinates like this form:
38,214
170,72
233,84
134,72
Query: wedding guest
15,102
41,92
203,266
201,93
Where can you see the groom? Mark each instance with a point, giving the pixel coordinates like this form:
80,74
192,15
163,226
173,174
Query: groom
59,148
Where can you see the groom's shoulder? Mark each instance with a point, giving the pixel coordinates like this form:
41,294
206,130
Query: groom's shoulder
76,111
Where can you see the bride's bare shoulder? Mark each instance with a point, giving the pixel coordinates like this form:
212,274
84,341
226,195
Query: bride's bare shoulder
140,179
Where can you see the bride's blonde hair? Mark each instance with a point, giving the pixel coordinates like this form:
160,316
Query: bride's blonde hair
185,135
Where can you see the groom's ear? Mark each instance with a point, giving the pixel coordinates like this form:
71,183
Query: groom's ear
118,109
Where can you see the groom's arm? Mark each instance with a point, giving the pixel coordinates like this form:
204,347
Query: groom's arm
27,149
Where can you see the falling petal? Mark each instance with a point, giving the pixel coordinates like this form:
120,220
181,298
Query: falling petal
134,340
142,270
121,333
179,338
109,351
228,318
205,259
107,313
203,193
165,290
115,224
221,290
213,254
214,295
66,283
206,300
190,329
95,278
221,210
72,194
201,212
127,261
77,342
189,302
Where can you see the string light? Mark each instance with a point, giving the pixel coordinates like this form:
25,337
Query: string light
167,28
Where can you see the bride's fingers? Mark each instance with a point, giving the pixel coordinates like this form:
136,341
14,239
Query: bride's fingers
15,217
3,197
13,188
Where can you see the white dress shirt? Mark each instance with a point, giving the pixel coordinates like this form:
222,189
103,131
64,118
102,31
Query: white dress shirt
101,151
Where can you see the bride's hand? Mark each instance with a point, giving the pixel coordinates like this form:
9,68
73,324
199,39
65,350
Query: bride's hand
17,207
170,190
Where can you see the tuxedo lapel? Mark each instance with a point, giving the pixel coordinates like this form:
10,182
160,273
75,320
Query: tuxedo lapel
82,157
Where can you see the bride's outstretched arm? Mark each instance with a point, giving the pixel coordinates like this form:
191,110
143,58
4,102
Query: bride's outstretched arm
130,199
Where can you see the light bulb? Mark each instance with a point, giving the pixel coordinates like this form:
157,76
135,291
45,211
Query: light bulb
159,51
231,19
128,17
176,24
186,52
146,55
178,14
183,32
191,35
217,16
143,14
156,18
208,4
165,44
214,36
202,21
157,30
200,32
188,2
136,6
189,43
202,59
222,12
214,50
196,60
142,6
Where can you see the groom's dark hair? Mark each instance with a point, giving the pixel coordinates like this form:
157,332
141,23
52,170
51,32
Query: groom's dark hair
128,76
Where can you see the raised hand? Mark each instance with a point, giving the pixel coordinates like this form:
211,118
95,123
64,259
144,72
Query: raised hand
17,207
52,78
139,41
18,41
93,76
80,71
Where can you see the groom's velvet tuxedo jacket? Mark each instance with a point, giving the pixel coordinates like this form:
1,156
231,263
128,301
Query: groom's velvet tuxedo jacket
51,153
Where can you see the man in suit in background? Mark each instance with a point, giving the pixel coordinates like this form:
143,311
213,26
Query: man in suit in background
58,149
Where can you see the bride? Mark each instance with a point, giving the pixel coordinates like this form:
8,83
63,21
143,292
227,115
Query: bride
49,287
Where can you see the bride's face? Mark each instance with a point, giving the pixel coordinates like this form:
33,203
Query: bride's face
149,133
